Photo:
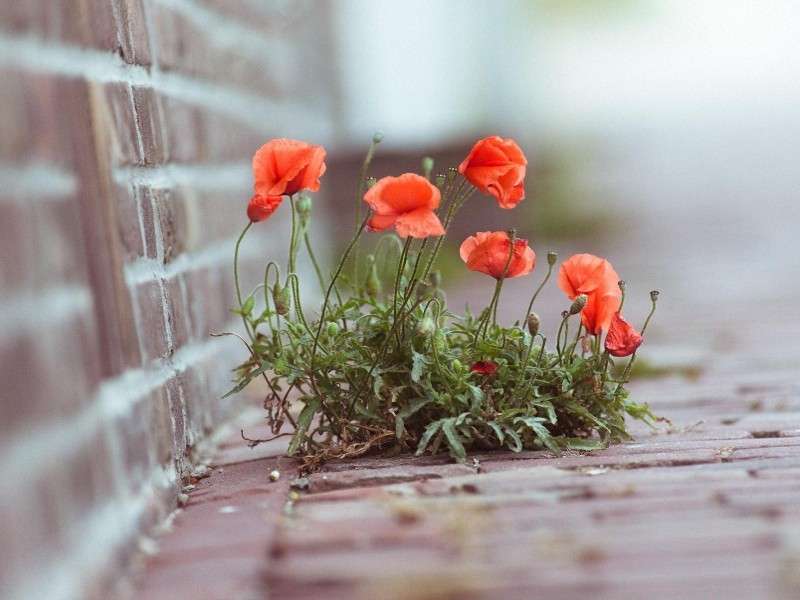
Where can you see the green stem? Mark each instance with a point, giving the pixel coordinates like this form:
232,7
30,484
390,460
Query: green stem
536,293
401,266
293,239
628,368
362,177
236,278
336,274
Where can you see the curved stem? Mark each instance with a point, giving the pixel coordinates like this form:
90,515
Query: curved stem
628,368
362,178
536,293
236,277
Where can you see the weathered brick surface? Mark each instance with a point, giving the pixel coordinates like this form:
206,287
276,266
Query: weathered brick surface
126,132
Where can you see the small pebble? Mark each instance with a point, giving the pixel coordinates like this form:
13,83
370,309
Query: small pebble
274,475
183,499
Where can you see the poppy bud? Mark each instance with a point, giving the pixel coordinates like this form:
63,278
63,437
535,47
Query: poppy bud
484,367
377,137
280,296
621,285
304,206
440,180
373,281
371,181
439,341
552,257
457,365
578,304
426,326
427,167
654,295
332,328
533,323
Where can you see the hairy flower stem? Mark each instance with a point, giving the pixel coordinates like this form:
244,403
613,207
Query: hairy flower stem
362,179
325,302
236,279
293,238
455,205
492,309
536,293
564,320
401,266
273,327
627,372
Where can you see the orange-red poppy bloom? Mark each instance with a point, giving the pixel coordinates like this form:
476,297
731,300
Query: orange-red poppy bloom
484,367
496,166
595,277
488,252
407,203
622,339
284,167
261,207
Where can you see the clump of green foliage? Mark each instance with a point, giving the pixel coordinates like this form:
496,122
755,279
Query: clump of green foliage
385,366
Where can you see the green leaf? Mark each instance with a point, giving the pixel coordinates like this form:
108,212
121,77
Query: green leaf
535,425
513,435
430,431
414,406
498,431
477,396
399,427
453,440
303,422
418,364
248,378
248,306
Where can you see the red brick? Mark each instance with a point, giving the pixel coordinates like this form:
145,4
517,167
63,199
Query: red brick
124,141
149,307
149,122
132,32
16,240
130,230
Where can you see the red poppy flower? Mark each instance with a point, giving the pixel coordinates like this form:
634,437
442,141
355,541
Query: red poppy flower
595,277
496,166
488,251
284,167
484,367
261,207
407,203
622,339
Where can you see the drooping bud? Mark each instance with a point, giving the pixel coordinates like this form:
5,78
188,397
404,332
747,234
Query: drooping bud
621,285
304,206
427,167
280,296
654,295
552,257
373,281
578,304
377,137
439,180
332,328
370,182
533,323
426,326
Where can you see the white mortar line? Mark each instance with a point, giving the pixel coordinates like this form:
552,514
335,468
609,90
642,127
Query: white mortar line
114,398
256,111
35,182
93,542
24,311
215,176
225,33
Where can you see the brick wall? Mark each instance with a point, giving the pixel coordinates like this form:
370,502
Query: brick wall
126,127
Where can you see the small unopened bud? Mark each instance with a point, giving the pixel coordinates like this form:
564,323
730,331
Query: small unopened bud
371,181
621,285
654,295
457,365
373,281
440,180
564,314
426,326
552,257
427,166
332,328
533,323
280,296
304,205
578,304
377,137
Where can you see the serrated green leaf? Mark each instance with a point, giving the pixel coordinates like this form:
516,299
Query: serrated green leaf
498,431
303,422
430,431
513,435
535,425
453,440
418,365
